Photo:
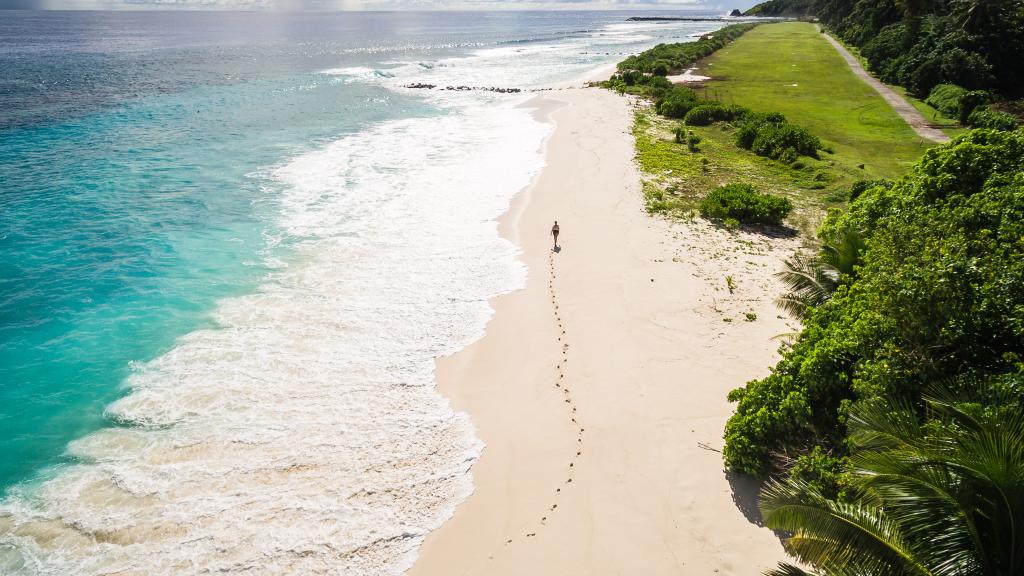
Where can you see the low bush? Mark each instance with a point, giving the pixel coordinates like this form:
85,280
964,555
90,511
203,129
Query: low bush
707,114
984,117
743,203
861,186
680,133
752,123
771,136
946,99
970,101
676,102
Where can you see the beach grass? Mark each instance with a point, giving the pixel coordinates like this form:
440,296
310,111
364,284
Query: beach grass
676,179
790,68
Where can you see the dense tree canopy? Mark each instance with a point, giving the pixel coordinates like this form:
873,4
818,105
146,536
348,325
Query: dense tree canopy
939,292
977,44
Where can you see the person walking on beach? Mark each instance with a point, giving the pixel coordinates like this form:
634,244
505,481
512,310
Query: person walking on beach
554,232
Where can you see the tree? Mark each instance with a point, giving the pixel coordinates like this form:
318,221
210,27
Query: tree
942,497
811,282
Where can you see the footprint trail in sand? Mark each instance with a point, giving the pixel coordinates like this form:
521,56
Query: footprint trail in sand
560,383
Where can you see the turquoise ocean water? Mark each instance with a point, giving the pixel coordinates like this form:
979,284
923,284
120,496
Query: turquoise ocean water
231,246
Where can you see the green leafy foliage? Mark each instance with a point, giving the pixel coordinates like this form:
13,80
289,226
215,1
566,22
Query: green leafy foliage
789,8
985,117
946,99
810,282
674,58
707,114
861,186
939,497
745,204
938,292
771,136
977,44
676,102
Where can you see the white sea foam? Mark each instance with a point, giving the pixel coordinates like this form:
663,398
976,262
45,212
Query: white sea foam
304,434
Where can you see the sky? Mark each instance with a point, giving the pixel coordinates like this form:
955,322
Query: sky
359,4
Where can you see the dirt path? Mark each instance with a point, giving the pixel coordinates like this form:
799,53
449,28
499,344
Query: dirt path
910,114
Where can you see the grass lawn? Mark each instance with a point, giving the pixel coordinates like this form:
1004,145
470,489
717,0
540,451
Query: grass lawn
788,67
950,126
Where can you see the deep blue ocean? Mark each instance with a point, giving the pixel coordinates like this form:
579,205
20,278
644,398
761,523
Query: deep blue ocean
225,235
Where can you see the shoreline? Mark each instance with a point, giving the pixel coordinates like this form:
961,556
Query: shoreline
610,476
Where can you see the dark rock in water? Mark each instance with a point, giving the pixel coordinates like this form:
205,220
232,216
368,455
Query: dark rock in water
735,12
421,86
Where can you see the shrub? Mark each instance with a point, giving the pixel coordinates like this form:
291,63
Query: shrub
946,99
676,102
861,186
752,123
970,101
658,82
692,140
984,117
706,114
745,204
771,136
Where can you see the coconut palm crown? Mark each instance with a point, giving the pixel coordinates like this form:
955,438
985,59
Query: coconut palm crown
944,498
812,281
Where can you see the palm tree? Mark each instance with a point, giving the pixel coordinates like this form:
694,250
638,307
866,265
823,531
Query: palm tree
811,282
981,16
941,499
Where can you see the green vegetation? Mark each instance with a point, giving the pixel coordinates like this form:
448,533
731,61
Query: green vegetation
807,81
678,176
743,203
970,106
833,112
676,102
946,98
665,59
977,44
812,281
707,114
985,117
944,497
846,134
785,8
949,125
770,135
935,293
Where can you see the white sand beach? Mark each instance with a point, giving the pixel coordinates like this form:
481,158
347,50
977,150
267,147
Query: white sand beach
601,441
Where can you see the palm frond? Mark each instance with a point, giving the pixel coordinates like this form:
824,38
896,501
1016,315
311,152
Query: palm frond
827,534
788,570
842,251
809,283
